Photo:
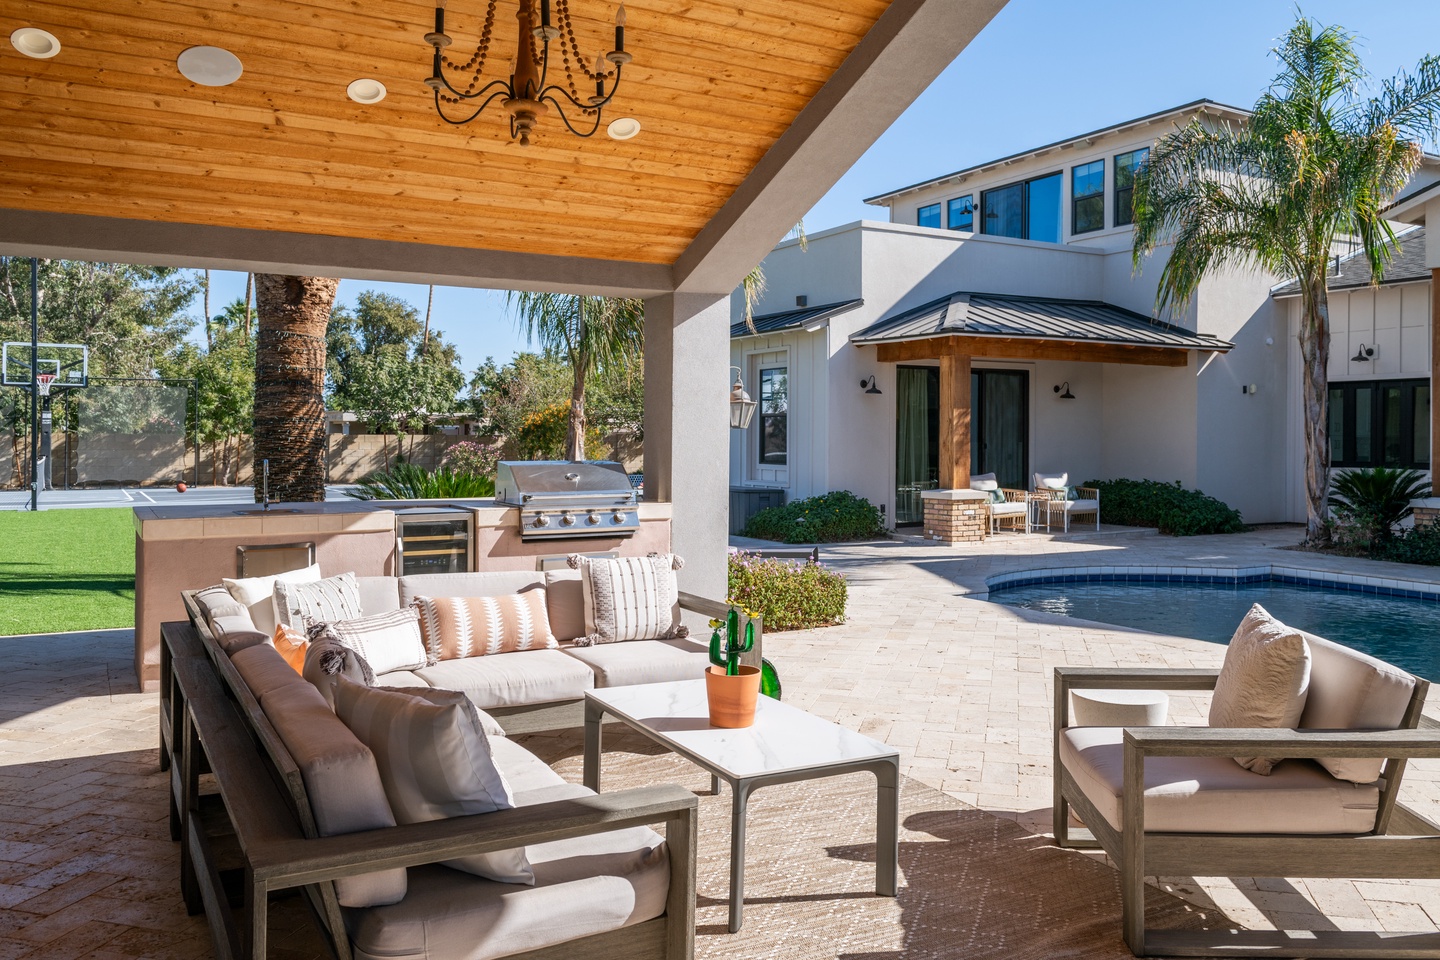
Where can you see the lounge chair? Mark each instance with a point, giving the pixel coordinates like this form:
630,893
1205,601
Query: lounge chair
1007,505
1057,499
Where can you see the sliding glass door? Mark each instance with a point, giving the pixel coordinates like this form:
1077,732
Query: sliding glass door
917,440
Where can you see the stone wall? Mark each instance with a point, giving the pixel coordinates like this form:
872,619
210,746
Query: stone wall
955,516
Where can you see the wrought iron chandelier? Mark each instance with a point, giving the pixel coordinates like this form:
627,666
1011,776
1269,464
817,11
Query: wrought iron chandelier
526,96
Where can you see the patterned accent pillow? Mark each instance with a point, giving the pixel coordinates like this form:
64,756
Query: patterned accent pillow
630,598
458,627
387,641
434,762
328,600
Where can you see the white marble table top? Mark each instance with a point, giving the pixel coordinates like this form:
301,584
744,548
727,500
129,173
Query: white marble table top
783,738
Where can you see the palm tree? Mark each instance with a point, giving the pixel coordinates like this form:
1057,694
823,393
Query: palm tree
1317,163
290,384
591,334
753,286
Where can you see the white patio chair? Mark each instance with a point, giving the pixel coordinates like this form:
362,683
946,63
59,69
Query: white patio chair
1006,505
1053,497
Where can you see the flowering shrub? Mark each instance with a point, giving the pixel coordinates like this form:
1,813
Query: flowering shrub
470,456
542,435
828,518
786,594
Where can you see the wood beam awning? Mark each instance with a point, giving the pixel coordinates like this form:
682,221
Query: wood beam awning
1025,348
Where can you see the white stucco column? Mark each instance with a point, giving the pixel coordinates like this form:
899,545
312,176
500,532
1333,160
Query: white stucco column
687,429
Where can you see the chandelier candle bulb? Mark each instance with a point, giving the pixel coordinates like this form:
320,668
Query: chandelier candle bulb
620,28
544,13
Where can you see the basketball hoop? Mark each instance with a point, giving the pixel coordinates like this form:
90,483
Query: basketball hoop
43,382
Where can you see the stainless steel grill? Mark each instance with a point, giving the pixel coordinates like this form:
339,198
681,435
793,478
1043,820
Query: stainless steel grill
568,499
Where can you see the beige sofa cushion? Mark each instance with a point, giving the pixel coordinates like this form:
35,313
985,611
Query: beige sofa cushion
485,583
456,627
434,761
1352,691
565,599
263,669
1264,680
1213,795
341,780
378,594
525,772
515,679
643,661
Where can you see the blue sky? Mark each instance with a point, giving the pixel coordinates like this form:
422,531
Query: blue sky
1041,71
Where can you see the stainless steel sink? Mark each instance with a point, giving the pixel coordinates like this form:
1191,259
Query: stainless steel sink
258,512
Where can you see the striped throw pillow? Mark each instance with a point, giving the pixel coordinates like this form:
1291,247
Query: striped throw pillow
457,627
331,599
387,641
434,762
630,598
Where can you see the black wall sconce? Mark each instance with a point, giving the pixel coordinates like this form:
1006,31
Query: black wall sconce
1067,395
1363,355
870,380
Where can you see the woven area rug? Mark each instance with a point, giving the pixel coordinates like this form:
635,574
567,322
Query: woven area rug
971,884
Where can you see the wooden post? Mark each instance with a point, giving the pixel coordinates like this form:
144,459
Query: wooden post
1434,362
954,420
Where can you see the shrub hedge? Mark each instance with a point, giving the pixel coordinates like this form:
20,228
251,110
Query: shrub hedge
787,594
829,518
1167,506
1416,545
407,481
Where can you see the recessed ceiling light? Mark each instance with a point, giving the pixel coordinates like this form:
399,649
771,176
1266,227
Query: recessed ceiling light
34,42
365,91
623,128
209,66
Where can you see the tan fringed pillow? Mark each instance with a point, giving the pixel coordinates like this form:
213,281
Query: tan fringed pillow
457,627
1264,681
630,598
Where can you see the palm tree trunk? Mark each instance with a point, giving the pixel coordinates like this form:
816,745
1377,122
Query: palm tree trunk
1315,396
209,336
290,384
249,290
429,304
575,432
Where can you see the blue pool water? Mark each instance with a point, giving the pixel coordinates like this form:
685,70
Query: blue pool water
1400,630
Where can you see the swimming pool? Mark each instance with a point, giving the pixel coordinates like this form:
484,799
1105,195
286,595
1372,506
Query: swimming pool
1401,630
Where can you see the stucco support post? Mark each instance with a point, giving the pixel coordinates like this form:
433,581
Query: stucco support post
954,420
687,430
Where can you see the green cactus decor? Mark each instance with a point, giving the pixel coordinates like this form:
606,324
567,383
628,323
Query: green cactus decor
727,653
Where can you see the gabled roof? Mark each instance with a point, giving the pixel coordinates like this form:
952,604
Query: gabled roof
1042,318
790,319
1406,266
1193,106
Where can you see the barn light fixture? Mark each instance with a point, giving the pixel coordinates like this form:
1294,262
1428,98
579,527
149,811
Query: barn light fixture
1363,355
525,94
1067,395
869,384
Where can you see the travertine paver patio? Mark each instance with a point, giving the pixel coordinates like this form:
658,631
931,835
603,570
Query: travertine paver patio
960,686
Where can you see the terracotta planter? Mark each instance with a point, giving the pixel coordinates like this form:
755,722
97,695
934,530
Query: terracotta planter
732,699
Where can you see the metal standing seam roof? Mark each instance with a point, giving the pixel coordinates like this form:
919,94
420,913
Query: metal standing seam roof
1406,266
1036,318
790,319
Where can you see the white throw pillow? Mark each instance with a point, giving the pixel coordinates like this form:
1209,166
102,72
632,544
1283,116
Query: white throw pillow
434,762
1264,680
331,599
630,598
1052,481
984,481
258,594
388,641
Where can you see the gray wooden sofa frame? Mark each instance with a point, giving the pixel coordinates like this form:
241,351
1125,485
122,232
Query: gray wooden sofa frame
261,822
1401,844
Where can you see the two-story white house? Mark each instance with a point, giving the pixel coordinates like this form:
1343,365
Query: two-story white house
995,324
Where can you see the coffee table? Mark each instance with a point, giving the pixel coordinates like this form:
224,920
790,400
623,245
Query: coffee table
785,744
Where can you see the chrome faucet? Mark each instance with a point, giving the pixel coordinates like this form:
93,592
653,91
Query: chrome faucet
265,486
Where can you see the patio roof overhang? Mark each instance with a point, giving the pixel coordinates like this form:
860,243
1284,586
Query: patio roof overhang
1031,328
747,120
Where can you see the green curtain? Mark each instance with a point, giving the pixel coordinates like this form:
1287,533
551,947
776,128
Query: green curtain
913,469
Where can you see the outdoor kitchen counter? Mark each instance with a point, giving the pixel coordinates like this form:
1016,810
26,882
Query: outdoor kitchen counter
189,548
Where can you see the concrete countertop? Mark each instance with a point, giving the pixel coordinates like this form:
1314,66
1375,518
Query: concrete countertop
331,516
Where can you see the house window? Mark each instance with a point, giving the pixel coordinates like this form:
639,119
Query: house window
961,215
774,409
1029,210
1380,423
1125,166
1087,197
929,216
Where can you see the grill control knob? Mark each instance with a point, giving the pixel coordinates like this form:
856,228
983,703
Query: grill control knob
541,520
566,520
617,517
591,519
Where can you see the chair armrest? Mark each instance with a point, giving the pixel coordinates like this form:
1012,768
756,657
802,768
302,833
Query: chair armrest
1013,495
1124,678
714,609
292,863
1298,744
1090,493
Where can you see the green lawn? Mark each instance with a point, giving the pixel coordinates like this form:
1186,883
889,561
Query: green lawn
66,570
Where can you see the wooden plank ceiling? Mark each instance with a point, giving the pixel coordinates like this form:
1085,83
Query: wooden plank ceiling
109,127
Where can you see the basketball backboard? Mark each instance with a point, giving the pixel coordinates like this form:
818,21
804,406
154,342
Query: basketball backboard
68,362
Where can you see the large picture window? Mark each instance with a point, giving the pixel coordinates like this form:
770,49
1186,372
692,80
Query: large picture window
961,213
774,413
1087,197
1029,210
1125,166
1380,423
928,216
